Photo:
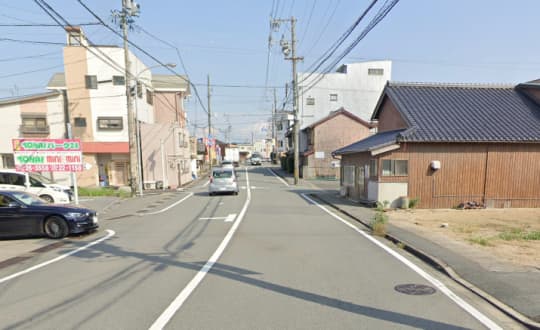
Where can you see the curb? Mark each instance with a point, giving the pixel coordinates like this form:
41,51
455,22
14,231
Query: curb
447,270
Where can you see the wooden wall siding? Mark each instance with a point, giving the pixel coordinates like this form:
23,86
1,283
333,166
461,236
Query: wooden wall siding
331,135
496,174
479,172
389,117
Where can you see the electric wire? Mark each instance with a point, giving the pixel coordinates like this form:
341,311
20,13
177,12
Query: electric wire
145,52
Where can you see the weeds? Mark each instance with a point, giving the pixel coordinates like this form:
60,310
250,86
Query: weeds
378,224
414,202
516,234
480,241
95,192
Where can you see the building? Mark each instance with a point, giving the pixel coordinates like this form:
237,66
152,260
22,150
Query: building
355,87
31,116
338,129
444,145
95,85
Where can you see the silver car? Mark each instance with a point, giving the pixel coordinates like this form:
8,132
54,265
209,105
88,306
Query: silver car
223,180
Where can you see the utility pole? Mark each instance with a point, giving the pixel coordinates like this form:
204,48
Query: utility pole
209,130
129,9
274,113
286,49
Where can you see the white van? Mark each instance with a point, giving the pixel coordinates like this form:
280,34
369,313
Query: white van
34,183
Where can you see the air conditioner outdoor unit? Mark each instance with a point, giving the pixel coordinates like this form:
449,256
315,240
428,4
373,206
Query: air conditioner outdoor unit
150,185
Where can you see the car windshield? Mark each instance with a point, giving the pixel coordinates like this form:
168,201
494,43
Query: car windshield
28,199
41,178
222,174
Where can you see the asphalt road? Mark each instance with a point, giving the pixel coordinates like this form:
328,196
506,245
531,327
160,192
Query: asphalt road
269,258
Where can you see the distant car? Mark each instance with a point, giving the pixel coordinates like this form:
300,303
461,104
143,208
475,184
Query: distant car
227,164
223,180
256,159
25,214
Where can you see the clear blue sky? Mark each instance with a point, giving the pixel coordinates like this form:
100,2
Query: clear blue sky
462,41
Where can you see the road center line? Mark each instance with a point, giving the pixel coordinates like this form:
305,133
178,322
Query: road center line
460,302
110,233
166,316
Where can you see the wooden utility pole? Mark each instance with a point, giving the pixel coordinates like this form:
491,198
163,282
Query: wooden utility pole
291,49
209,130
133,159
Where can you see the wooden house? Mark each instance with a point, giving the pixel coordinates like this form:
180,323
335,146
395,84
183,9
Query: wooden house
444,145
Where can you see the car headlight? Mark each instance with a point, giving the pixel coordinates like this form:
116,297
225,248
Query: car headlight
57,189
77,215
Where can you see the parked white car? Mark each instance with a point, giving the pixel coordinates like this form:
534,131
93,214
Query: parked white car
13,180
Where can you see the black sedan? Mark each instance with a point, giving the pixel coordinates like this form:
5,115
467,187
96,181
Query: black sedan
24,214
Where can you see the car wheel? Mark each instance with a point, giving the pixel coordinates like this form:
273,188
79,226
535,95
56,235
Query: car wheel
47,198
56,227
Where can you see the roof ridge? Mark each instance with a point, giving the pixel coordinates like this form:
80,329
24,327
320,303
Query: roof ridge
455,85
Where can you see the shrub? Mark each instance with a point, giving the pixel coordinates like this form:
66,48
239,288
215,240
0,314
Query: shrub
414,202
102,191
378,224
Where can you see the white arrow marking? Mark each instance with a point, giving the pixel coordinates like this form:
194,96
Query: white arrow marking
230,217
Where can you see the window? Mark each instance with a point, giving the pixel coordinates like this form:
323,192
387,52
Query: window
79,121
8,161
333,97
310,101
90,82
110,123
34,124
149,97
348,175
391,167
375,72
373,167
139,89
118,80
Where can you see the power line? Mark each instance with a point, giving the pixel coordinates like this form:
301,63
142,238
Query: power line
381,14
9,59
34,42
146,53
45,25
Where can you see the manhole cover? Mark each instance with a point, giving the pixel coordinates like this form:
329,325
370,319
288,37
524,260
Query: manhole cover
415,289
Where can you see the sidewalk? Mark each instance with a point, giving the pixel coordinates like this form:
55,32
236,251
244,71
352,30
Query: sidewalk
514,291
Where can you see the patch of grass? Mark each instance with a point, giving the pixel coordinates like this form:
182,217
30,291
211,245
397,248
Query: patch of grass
99,192
463,229
516,234
401,245
378,224
480,241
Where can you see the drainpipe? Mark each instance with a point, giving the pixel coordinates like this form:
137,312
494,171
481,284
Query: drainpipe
163,172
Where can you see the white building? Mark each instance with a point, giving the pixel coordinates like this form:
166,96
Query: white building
355,87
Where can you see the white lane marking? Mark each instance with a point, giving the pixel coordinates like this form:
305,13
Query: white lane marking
460,302
206,184
170,206
110,233
166,316
230,217
213,218
278,177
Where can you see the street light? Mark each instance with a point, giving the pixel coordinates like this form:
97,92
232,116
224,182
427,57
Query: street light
138,126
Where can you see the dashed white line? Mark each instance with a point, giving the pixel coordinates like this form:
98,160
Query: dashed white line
460,302
110,233
170,206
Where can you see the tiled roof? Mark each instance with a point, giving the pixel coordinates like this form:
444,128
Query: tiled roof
375,141
464,113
